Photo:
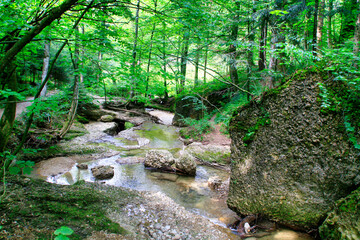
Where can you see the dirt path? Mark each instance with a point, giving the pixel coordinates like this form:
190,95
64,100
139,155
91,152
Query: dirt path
21,106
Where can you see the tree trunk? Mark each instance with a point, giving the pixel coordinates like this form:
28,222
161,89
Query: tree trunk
320,23
75,98
349,18
197,58
276,59
314,40
251,38
357,36
166,94
8,116
150,52
45,68
232,48
52,15
206,61
82,55
133,66
262,51
184,56
329,35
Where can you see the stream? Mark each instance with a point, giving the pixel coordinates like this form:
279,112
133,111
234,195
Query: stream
129,148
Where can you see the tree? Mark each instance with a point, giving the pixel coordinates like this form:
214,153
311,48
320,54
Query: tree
7,68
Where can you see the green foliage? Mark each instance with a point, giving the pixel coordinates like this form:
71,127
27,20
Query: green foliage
279,12
63,232
196,128
7,93
226,113
128,125
341,93
24,167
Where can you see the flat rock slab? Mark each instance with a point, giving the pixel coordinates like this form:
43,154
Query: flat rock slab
54,166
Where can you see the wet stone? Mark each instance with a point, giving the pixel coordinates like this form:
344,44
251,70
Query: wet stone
103,172
82,166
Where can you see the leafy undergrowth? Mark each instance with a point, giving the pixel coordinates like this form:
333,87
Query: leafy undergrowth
196,128
34,209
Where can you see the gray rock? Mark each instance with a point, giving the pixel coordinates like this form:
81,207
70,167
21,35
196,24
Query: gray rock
107,118
297,161
214,183
159,159
103,172
186,163
82,166
177,237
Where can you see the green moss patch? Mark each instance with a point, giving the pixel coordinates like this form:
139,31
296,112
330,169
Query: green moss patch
44,207
344,221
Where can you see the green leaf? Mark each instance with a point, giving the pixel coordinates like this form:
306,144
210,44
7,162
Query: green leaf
61,237
30,163
64,231
27,170
14,170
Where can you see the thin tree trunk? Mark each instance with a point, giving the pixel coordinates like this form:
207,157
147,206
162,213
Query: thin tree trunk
53,14
349,18
251,38
276,59
306,30
133,66
263,36
184,56
98,74
329,35
45,68
314,40
75,98
82,55
357,36
150,52
197,58
320,23
206,61
8,117
178,66
166,94
30,118
232,48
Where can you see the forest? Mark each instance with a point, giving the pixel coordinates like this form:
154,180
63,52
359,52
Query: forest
62,55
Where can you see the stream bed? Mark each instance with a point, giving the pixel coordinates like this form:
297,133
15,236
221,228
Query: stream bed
129,148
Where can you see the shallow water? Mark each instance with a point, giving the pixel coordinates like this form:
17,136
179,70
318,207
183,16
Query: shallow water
191,192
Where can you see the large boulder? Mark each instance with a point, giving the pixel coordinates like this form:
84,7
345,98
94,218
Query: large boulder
103,172
186,164
344,221
290,160
159,159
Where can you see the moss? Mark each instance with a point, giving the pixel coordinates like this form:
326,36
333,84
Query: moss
213,157
344,221
45,207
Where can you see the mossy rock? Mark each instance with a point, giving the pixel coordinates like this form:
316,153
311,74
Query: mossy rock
210,153
44,207
344,221
290,160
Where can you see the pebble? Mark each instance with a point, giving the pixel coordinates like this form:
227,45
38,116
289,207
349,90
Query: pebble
176,237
